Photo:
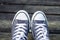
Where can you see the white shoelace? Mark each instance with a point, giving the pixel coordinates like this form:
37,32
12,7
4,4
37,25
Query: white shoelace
43,32
17,34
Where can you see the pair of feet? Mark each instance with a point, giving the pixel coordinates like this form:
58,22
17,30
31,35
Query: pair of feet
21,23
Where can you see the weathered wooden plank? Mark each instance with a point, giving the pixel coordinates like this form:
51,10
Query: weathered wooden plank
41,2
30,9
6,20
6,25
9,16
45,9
52,36
10,8
13,1
53,17
54,27
5,36
45,2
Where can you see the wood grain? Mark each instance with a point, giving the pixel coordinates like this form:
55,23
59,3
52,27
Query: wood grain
36,2
30,8
6,20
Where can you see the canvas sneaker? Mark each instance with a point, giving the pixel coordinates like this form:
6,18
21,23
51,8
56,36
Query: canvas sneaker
39,26
20,25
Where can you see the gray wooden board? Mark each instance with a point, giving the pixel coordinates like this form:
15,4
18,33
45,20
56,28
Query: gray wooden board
9,16
30,8
45,9
6,20
13,1
42,2
5,36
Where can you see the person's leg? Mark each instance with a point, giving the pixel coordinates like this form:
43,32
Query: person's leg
39,26
20,25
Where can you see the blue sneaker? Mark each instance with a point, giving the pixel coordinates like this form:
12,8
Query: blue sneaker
20,25
39,26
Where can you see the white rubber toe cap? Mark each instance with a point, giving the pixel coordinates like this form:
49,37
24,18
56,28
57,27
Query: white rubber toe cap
39,15
21,16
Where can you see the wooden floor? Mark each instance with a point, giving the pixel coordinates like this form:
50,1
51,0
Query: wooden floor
8,9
